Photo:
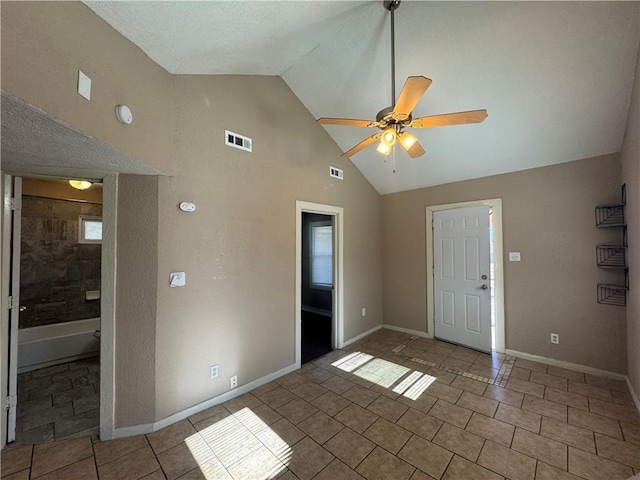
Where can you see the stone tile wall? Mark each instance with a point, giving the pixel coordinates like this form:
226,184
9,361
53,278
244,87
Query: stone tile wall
55,269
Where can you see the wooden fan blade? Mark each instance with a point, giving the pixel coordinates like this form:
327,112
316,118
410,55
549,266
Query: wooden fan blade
347,121
363,144
460,118
409,97
415,150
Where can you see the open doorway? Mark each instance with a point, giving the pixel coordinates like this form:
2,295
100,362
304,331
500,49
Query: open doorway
319,299
57,366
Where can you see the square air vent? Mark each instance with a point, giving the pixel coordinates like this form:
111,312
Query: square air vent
238,141
336,173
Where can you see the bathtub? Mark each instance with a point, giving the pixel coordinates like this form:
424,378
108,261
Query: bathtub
48,345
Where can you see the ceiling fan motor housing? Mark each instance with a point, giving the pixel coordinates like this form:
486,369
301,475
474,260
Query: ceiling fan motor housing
385,118
391,5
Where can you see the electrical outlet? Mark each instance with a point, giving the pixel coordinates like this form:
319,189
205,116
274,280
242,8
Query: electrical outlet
555,338
214,371
233,381
364,312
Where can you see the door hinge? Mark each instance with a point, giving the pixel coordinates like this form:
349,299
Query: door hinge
16,203
12,402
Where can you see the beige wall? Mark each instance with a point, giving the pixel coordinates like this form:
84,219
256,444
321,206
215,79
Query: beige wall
630,160
238,248
548,216
60,189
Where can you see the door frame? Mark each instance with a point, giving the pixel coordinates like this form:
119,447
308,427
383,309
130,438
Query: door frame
337,324
496,207
107,301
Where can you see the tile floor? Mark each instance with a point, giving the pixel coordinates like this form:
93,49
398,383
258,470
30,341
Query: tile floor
58,402
376,410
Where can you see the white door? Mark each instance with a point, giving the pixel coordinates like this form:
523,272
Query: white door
461,274
12,227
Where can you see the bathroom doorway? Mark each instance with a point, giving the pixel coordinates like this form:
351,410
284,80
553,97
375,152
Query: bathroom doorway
58,340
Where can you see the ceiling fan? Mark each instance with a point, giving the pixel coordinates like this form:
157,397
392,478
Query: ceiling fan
393,120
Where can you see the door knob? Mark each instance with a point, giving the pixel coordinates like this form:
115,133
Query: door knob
23,308
484,277
484,286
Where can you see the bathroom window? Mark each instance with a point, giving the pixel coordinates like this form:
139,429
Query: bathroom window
321,255
89,229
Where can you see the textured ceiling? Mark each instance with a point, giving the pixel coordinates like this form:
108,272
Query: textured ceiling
555,77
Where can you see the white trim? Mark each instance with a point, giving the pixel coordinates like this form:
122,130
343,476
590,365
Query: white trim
361,336
176,417
417,333
568,365
59,361
338,296
496,205
636,401
108,306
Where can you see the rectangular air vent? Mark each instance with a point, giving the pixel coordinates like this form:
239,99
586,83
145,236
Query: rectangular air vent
237,141
336,173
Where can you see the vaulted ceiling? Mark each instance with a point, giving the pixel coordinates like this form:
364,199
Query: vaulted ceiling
555,77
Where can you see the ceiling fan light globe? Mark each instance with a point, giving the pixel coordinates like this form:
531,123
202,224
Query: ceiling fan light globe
388,137
80,184
383,148
407,140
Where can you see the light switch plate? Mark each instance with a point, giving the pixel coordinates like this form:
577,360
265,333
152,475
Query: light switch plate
84,85
514,256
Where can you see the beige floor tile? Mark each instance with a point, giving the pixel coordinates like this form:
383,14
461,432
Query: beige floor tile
469,384
426,456
157,475
132,466
441,349
320,426
566,373
349,447
296,410
450,413
257,418
356,418
462,353
308,458
420,475
549,451
594,422
234,445
460,365
545,407
593,467
261,464
48,457
277,397
247,400
484,405
185,457
486,372
215,427
534,389
444,392
208,413
318,375
110,450
309,391
211,469
571,435
381,465
626,413
389,436
331,403
441,376
534,366
631,432
570,399
504,395
549,380
267,387
520,373
485,360
590,391
387,408
547,472
622,398
459,441
423,403
338,470
170,436
507,462
292,380
618,450
338,385
491,429
21,475
420,423
459,469
360,395
518,417
82,470
280,437
605,382
15,459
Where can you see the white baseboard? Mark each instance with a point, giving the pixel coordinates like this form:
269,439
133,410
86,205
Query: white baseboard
568,365
636,401
417,333
361,336
176,417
